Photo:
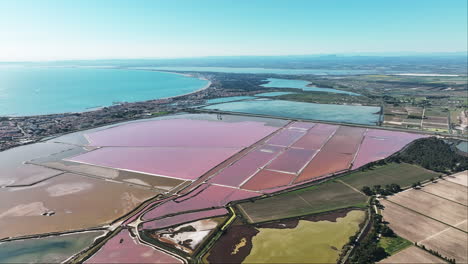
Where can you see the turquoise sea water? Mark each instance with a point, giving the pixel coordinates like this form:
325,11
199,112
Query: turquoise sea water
265,71
300,84
366,115
34,91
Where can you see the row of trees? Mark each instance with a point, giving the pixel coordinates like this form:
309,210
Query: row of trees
436,253
389,189
369,250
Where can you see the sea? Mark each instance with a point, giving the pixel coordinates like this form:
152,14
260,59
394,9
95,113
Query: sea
49,90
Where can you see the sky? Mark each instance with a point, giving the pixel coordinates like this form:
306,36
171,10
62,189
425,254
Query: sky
35,30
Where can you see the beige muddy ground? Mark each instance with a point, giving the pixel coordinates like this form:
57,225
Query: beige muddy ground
76,202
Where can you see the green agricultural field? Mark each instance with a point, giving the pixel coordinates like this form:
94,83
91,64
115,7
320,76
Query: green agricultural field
393,245
402,174
315,199
309,242
436,111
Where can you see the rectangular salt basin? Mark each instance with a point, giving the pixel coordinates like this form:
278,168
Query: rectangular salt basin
286,137
346,140
327,163
266,179
182,218
292,160
182,133
211,197
249,164
379,144
302,125
179,163
316,136
123,248
354,114
336,155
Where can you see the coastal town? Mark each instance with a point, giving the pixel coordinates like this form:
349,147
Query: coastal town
17,131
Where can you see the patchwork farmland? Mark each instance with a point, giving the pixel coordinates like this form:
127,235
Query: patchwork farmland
434,216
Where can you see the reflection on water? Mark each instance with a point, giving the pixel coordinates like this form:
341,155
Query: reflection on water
355,114
52,249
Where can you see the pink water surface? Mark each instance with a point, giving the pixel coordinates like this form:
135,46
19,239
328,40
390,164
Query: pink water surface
249,164
183,218
316,136
182,133
123,248
213,196
303,125
181,163
292,160
379,144
286,137
266,179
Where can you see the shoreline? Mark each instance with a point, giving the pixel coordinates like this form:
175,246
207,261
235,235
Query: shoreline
98,108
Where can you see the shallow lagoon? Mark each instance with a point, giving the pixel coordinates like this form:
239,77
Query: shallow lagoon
228,99
300,84
53,249
365,115
264,70
34,91
271,94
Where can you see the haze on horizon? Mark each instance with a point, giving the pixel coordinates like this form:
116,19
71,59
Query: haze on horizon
35,30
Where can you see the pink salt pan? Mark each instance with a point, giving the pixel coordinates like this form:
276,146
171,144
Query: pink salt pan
292,160
286,137
249,164
302,125
379,144
182,133
211,197
180,163
123,248
316,136
183,218
266,179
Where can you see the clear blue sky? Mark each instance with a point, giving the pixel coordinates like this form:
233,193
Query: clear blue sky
93,29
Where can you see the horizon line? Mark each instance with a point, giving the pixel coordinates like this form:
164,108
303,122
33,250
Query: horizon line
344,54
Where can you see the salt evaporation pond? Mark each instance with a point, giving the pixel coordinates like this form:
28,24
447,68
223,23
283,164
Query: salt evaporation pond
300,84
356,114
36,90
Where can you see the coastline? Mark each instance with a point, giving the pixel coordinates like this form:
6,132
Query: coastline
99,108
